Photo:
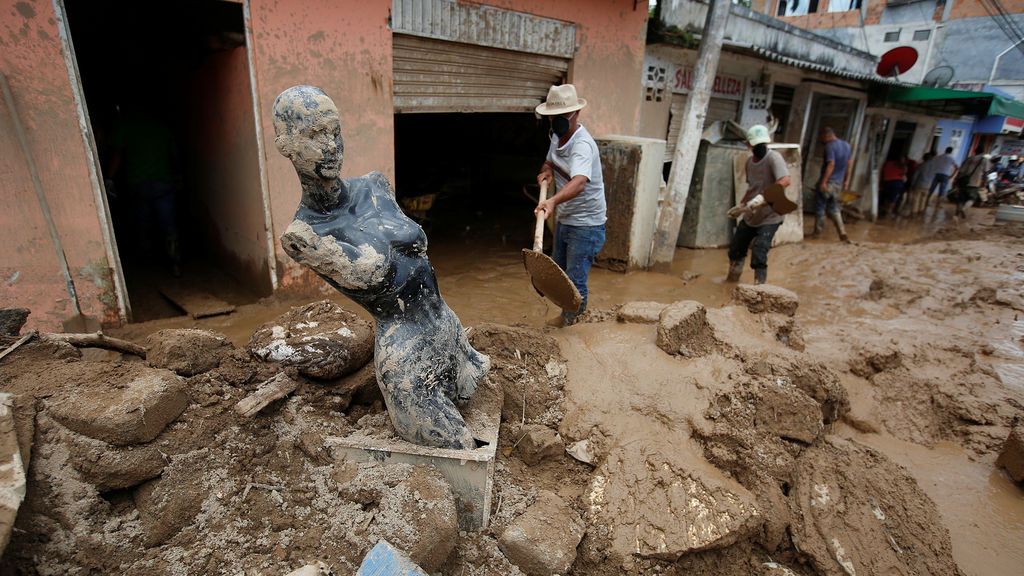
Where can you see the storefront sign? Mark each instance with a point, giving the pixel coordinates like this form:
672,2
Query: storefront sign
726,86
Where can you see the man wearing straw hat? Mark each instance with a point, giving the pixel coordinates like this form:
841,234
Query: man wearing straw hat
574,164
761,210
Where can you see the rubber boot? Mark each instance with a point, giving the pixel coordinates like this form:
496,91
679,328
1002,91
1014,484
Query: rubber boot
819,225
735,269
837,219
760,275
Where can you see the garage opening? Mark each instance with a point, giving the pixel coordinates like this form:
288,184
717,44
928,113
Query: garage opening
470,179
167,91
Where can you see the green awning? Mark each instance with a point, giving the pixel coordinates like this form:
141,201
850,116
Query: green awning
950,101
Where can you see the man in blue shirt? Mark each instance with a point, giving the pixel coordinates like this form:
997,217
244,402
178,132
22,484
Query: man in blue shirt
574,164
834,179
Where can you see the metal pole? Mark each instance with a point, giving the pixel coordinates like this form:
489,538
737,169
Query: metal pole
995,64
670,216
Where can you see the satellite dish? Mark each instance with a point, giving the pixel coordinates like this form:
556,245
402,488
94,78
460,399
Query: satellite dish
938,77
897,61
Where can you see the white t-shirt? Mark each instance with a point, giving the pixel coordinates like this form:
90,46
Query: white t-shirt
944,164
579,156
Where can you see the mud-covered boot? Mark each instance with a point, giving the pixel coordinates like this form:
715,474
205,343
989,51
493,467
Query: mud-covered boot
760,275
735,269
837,219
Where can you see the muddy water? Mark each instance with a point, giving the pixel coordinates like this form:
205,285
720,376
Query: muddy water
982,508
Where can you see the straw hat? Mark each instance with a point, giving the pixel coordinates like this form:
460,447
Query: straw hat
775,196
561,100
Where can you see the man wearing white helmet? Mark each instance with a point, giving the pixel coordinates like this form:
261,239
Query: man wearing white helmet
758,220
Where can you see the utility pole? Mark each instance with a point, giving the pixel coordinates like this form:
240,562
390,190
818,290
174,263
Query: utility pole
670,216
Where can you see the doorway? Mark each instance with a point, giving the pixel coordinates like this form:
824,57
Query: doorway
168,94
470,179
837,113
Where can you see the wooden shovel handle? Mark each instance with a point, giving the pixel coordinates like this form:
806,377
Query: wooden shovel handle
538,232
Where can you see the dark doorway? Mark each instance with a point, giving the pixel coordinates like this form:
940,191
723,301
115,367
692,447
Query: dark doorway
168,95
902,136
470,179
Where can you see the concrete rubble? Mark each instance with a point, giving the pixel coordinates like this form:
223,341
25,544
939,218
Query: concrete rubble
539,443
187,352
322,340
683,329
640,312
1011,458
543,540
769,298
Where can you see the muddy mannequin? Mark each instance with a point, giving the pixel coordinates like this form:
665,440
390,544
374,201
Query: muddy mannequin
352,233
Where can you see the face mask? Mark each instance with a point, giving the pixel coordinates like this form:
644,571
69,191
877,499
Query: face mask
560,125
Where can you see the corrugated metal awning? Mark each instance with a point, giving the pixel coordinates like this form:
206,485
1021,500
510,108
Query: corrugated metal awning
814,66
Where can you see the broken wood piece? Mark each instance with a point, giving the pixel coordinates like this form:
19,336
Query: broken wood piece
17,344
98,340
274,389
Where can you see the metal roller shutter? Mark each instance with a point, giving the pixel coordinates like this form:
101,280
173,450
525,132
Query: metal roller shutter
719,110
440,76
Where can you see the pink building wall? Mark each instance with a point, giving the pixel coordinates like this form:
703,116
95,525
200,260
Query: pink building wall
30,57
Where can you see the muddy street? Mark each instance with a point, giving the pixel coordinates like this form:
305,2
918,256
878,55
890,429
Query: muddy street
848,420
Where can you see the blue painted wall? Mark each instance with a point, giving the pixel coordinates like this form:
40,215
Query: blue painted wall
947,131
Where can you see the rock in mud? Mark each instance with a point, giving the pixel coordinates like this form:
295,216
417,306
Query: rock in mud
12,320
543,540
1012,456
538,443
110,467
656,508
683,329
418,516
854,511
186,351
119,404
641,312
170,503
785,411
322,340
870,358
763,298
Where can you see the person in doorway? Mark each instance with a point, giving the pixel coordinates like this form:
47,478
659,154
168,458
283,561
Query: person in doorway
574,165
918,185
894,179
945,170
834,179
969,183
758,221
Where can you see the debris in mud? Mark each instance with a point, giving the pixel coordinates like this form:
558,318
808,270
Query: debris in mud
769,298
12,320
186,351
683,329
538,443
1012,456
321,339
641,312
543,540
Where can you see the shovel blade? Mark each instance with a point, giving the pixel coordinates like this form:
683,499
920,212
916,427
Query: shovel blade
550,281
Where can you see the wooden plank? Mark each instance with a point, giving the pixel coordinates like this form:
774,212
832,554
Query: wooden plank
195,302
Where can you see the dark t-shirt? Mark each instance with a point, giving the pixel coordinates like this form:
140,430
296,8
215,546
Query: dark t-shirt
837,151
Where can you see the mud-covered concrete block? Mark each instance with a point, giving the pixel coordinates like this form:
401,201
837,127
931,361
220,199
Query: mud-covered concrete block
538,443
1012,456
172,501
186,351
762,298
683,329
641,312
543,540
322,340
788,413
418,516
127,404
109,467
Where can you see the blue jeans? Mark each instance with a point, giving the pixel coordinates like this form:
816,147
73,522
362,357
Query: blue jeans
827,201
941,181
574,251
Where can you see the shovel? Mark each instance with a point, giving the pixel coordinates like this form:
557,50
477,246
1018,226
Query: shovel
548,279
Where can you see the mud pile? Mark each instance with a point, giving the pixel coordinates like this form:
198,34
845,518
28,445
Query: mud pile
655,438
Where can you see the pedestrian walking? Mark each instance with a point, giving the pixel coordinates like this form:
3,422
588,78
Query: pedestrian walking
758,217
834,179
945,170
